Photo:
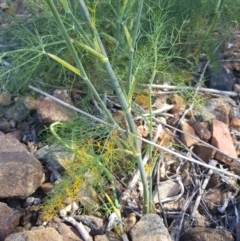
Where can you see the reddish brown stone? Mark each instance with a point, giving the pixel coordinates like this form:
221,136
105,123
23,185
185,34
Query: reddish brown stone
187,140
8,220
235,123
201,131
50,111
204,152
221,138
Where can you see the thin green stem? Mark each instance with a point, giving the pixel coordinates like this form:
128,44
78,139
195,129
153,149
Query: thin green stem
81,30
134,39
77,60
123,101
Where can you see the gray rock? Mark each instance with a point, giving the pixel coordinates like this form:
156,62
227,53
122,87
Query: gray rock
236,88
94,223
46,234
214,109
5,98
55,155
220,79
200,130
8,220
17,112
166,189
150,228
4,126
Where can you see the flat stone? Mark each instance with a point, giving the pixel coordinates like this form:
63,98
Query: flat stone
20,172
50,111
204,152
207,234
221,138
46,234
166,189
187,140
101,238
9,220
5,99
174,206
150,227
17,134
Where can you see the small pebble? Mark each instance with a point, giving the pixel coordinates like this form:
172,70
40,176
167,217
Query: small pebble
12,123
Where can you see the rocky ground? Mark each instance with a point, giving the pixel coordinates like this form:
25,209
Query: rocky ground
194,198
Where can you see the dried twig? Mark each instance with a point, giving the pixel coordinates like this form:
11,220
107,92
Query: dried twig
158,183
178,223
206,90
70,106
202,189
156,112
135,178
188,158
78,225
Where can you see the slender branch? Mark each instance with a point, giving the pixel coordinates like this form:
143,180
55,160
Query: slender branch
70,106
79,226
211,91
134,38
202,189
188,158
76,58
